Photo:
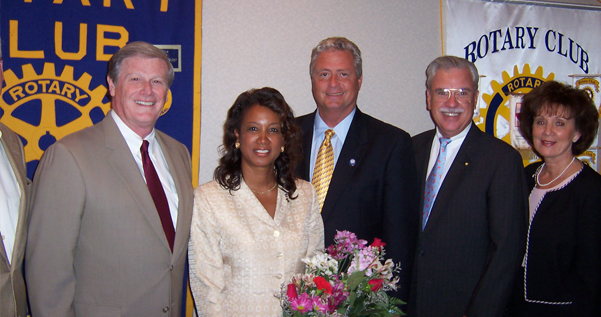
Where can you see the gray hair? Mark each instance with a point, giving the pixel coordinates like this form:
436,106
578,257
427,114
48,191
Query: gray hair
449,62
138,49
337,44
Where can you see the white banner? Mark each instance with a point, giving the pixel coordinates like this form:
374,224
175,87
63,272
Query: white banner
516,47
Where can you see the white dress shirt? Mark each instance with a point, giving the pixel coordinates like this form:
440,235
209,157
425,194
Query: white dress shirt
10,197
319,134
134,142
452,149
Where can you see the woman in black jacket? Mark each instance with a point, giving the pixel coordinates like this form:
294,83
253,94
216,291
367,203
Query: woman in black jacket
562,263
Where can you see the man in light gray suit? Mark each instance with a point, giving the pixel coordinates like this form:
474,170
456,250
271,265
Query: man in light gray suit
13,221
112,205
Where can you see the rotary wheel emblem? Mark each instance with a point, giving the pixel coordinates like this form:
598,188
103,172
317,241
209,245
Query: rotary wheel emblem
31,106
496,117
591,86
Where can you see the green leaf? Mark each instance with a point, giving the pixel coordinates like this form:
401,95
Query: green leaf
355,279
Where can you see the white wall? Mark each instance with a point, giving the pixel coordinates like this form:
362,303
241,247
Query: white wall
256,43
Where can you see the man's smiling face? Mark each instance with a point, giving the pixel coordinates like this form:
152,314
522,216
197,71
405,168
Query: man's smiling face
453,114
140,92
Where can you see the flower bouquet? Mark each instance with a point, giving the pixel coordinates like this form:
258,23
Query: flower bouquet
349,280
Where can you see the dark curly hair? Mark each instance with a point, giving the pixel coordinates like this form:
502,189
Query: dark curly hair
229,172
552,97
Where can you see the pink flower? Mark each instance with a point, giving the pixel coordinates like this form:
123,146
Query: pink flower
376,284
345,243
302,303
339,295
363,262
349,240
335,253
323,285
291,291
319,306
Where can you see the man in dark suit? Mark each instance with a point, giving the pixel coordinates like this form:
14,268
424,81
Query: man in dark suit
14,187
112,205
473,206
373,187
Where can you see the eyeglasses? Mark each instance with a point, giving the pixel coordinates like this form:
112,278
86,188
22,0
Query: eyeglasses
462,95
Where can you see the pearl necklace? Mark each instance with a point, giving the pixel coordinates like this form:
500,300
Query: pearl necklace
540,169
266,191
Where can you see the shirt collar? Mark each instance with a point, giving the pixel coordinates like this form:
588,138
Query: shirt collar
340,130
461,135
133,140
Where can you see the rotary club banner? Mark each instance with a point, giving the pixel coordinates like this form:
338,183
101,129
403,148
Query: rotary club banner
55,57
516,47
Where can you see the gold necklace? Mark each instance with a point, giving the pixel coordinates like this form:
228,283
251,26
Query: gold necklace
266,191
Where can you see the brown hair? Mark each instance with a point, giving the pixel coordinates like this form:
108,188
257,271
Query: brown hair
138,49
553,97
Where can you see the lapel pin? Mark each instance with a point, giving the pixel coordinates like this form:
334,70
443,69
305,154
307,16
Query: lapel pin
352,162
467,163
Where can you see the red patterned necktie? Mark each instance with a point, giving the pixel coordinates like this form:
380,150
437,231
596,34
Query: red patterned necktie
434,180
158,194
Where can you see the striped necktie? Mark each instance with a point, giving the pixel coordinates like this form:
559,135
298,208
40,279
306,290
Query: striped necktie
324,167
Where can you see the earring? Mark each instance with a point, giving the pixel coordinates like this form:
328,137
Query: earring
282,149
237,144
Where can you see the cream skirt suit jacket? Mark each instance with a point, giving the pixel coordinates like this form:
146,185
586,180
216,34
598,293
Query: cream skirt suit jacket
240,256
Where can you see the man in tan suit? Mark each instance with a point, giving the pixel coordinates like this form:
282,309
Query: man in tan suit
100,241
13,221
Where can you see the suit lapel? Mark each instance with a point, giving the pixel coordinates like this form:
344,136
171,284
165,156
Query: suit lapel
353,149
455,174
281,209
3,255
182,183
307,127
422,159
246,195
123,163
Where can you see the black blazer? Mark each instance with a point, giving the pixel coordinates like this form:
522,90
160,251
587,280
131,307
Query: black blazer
564,251
377,195
473,243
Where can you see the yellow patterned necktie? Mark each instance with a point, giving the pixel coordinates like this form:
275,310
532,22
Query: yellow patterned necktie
324,166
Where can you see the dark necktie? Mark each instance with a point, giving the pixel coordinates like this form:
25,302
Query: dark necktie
158,194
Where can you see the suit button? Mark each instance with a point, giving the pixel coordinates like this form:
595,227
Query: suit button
165,309
278,276
279,255
421,252
276,233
